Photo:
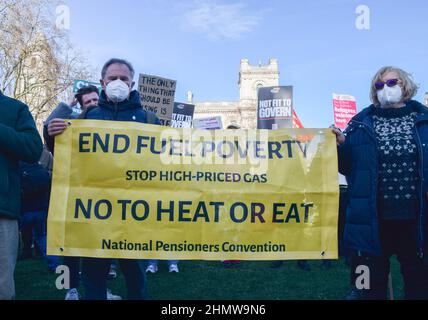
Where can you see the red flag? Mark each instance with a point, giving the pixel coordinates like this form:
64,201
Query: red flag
297,124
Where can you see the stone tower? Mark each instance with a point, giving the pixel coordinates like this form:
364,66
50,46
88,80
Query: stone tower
244,111
253,77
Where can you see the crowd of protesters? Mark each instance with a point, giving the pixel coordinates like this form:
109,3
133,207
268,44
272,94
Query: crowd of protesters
383,154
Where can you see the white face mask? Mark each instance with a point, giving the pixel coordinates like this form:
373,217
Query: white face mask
388,96
117,91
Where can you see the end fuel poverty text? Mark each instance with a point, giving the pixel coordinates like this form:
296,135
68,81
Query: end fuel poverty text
192,211
121,143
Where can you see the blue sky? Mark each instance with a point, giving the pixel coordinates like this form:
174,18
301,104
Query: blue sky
200,43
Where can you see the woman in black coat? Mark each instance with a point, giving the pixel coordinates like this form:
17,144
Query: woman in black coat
384,155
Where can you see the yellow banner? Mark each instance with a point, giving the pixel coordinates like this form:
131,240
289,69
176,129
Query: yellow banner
131,190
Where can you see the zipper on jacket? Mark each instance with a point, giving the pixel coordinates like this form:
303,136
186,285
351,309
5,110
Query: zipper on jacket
116,110
421,200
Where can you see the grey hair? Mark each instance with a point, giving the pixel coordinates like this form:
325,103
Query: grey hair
119,61
408,85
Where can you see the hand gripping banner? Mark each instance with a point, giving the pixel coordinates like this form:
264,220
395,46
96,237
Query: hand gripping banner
137,191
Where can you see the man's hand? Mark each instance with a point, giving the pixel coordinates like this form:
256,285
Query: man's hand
56,127
340,137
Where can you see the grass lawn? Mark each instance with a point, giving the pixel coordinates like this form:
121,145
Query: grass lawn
207,280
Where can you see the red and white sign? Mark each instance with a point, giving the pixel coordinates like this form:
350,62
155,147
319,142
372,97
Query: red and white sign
345,108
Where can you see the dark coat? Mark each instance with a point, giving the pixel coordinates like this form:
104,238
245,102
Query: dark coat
358,161
19,140
128,110
35,186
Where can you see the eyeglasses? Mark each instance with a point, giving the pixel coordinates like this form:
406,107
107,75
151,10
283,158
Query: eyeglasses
390,83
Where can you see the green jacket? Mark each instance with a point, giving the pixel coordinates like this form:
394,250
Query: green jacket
19,140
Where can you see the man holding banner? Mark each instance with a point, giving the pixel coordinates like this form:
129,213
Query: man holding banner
87,96
117,103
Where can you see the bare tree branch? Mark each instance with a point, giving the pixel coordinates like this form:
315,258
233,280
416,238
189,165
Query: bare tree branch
37,61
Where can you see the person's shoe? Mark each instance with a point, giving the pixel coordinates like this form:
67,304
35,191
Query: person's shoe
277,264
111,296
173,268
152,268
112,274
304,265
72,294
